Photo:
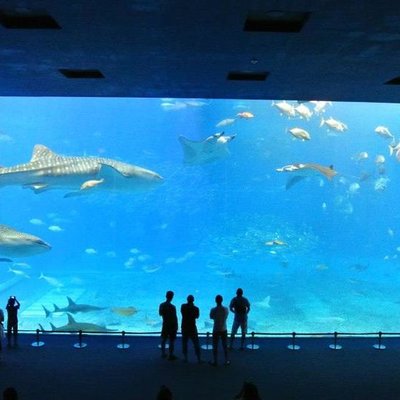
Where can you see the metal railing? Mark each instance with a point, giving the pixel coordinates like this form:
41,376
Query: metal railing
251,337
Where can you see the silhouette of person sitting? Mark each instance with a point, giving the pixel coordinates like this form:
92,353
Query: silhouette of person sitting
164,393
10,394
219,314
190,313
249,391
170,325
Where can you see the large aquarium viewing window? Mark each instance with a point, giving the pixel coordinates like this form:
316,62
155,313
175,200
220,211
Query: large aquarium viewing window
295,202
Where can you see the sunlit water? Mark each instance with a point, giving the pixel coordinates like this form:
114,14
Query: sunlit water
319,256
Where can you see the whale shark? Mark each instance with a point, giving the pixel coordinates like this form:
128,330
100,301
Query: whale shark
19,244
74,326
48,170
211,149
72,308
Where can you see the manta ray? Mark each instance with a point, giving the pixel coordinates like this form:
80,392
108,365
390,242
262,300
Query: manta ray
48,170
213,148
74,326
19,244
300,171
72,308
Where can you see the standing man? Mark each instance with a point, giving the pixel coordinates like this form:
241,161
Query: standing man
190,313
12,320
240,306
1,328
219,314
170,325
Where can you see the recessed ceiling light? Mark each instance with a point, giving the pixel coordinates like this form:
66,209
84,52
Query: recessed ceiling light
394,81
81,73
275,21
27,19
247,75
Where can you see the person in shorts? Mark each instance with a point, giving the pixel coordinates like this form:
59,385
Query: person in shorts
240,306
219,314
169,326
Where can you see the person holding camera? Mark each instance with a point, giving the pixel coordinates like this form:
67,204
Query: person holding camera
12,320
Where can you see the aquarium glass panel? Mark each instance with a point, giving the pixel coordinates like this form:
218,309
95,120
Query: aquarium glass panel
296,202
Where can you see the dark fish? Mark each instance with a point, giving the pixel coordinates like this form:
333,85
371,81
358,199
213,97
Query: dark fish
3,259
73,308
74,326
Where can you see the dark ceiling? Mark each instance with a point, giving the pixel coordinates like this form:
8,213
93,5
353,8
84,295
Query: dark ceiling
322,49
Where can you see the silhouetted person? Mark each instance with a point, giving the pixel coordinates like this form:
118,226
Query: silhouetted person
249,391
219,314
170,325
12,320
10,394
1,327
164,393
240,306
190,313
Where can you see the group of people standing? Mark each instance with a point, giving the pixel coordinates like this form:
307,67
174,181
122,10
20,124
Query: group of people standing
12,308
239,306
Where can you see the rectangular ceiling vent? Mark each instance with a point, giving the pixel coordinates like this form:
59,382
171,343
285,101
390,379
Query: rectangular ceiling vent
27,19
81,73
247,75
394,81
276,21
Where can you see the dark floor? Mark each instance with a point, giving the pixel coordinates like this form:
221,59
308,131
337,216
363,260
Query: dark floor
102,371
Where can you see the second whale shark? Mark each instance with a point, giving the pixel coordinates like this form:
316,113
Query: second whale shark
15,243
48,170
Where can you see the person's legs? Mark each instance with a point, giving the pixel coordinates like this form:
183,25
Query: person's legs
172,337
15,334
163,341
235,327
243,328
185,339
215,340
196,344
9,327
224,340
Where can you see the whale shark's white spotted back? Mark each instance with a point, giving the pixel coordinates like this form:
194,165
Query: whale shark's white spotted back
48,170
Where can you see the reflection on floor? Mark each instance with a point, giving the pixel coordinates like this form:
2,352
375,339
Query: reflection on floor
102,371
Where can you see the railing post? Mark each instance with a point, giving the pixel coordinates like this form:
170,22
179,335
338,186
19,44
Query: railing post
207,346
123,345
335,346
252,346
80,344
379,346
293,346
37,343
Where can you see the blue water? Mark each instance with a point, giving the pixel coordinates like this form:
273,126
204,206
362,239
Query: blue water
204,230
